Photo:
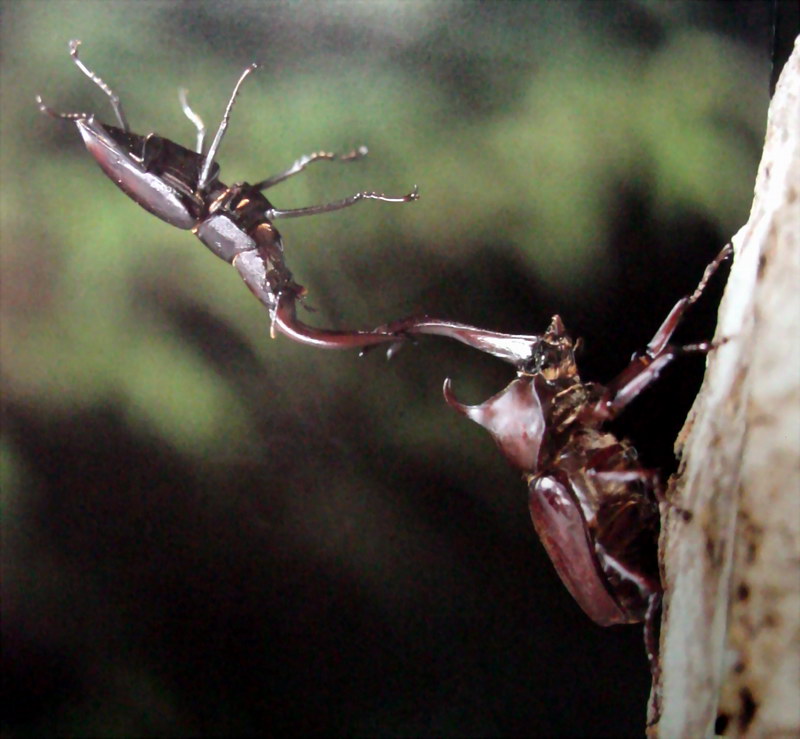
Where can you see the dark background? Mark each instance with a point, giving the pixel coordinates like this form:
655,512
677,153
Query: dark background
207,532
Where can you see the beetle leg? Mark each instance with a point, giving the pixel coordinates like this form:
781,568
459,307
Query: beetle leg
339,204
638,375
300,164
223,125
112,96
645,368
47,110
193,117
651,645
285,320
662,336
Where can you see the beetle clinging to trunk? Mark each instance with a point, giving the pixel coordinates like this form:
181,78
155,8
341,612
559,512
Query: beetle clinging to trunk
594,506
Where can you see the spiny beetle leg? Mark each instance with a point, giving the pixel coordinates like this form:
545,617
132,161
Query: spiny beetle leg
651,645
645,368
314,210
112,96
671,322
300,164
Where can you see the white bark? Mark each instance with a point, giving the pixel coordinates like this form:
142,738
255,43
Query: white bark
730,640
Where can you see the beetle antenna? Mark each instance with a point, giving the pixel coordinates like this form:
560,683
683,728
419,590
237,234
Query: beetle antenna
112,96
193,117
212,152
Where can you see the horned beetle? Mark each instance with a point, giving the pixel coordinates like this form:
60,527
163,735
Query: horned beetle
181,187
593,505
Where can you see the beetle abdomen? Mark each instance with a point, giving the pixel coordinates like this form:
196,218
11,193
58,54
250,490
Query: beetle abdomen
148,189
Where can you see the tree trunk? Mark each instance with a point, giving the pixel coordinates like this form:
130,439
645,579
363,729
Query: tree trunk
730,641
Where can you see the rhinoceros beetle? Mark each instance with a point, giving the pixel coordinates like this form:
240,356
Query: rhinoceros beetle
181,187
593,505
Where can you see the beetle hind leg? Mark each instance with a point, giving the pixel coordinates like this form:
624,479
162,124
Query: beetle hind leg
47,110
223,126
112,96
302,162
652,628
340,204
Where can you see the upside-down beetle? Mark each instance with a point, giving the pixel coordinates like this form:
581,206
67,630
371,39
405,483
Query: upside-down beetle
181,187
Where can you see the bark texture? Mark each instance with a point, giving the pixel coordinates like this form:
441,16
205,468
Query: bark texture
730,640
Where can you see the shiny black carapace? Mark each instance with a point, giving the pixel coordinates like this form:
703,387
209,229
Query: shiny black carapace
181,187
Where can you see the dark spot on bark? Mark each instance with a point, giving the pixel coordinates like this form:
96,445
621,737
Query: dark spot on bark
713,551
742,592
721,724
762,263
748,710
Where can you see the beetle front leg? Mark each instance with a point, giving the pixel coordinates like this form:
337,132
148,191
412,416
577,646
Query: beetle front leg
642,372
675,316
646,367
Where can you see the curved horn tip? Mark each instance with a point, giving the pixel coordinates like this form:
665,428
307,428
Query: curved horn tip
451,399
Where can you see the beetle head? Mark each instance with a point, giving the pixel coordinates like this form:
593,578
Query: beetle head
553,356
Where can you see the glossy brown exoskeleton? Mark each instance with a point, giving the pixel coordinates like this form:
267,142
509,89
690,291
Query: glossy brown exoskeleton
182,187
594,506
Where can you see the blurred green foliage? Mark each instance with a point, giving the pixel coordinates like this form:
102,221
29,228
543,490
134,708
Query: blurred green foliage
522,123
531,164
